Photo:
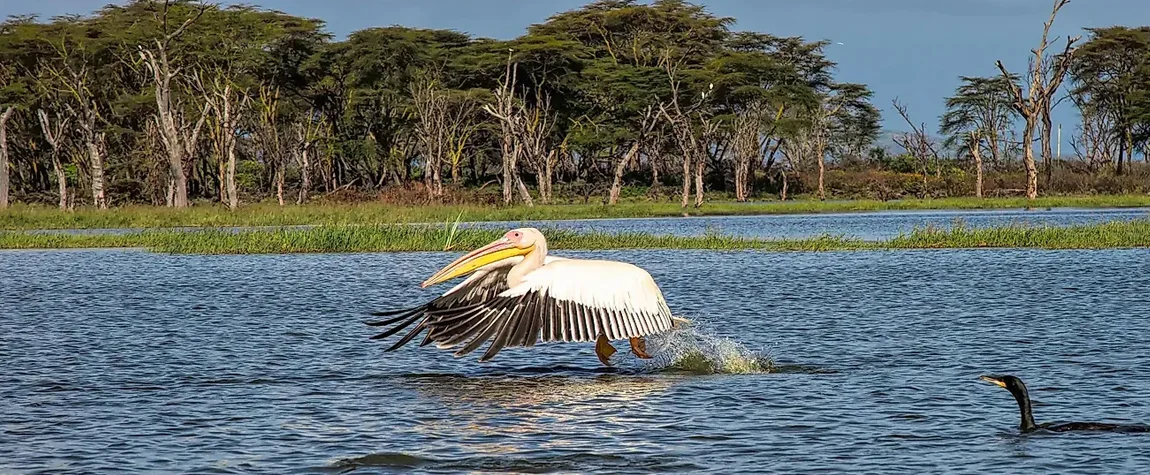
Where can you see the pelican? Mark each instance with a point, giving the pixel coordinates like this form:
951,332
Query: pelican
517,295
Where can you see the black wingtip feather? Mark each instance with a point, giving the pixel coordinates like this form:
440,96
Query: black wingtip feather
393,330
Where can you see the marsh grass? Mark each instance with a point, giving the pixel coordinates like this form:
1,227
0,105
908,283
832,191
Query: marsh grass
394,238
24,217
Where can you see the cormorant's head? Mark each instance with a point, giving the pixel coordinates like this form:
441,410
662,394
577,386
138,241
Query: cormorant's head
1011,383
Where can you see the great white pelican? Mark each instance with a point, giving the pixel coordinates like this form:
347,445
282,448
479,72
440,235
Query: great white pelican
517,295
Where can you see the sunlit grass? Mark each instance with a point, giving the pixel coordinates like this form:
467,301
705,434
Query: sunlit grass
42,217
394,238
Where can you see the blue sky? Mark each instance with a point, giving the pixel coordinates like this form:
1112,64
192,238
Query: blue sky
912,49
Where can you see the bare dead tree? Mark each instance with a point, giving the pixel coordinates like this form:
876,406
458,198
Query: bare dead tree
432,127
73,80
308,131
8,111
505,111
1095,141
918,143
55,138
227,104
268,137
533,129
753,144
646,127
975,146
1045,78
690,133
179,138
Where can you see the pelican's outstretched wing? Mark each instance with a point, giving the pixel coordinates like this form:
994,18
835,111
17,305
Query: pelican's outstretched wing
567,300
483,285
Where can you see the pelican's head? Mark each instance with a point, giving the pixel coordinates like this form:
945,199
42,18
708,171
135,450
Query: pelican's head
516,242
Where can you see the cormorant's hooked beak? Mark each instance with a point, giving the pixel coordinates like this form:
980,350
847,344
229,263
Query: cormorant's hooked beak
498,250
995,380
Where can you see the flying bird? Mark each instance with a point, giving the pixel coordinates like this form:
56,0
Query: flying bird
517,295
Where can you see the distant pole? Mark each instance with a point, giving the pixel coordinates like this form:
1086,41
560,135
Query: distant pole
1059,153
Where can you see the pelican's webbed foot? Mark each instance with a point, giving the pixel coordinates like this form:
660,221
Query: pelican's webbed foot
639,348
604,350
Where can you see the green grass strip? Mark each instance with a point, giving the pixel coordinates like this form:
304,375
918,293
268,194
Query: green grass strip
396,238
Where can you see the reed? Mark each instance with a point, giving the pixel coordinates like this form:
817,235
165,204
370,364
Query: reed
396,238
25,217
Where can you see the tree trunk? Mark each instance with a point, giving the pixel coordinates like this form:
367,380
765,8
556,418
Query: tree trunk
548,170
61,180
1028,159
1047,155
305,175
508,168
617,182
700,166
783,193
221,177
233,197
686,178
1121,152
974,150
280,184
96,156
4,156
822,172
523,193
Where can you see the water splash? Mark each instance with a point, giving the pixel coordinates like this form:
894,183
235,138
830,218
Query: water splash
693,349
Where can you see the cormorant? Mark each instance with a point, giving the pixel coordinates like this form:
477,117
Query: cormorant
1018,389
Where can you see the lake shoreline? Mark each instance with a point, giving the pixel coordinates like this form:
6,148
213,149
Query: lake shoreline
40,218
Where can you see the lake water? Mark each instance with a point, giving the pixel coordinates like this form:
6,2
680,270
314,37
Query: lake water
130,362
866,225
863,225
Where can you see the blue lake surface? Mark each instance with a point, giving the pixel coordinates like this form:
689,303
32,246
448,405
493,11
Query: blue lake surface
120,361
863,225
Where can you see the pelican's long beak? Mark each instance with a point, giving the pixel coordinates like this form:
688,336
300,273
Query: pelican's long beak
498,250
993,380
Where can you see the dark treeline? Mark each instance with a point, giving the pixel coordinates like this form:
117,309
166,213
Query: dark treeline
174,102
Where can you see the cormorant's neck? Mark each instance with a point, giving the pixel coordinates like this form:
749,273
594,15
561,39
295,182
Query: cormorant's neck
1020,395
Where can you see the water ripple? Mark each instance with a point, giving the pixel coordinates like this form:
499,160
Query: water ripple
130,362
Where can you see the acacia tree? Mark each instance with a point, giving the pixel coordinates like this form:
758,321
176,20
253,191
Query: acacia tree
178,135
1109,75
55,138
72,72
270,139
227,103
1046,75
981,105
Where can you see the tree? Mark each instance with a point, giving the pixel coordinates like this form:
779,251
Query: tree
1046,75
4,177
227,102
55,138
982,105
1108,73
179,136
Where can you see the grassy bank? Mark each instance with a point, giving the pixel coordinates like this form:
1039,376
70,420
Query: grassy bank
391,238
33,217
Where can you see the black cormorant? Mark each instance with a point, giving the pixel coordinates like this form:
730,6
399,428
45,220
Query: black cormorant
1018,389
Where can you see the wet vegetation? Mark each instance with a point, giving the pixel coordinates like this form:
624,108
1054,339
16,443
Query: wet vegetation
392,238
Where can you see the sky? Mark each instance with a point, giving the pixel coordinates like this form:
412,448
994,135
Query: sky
914,50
